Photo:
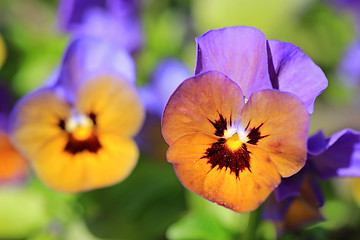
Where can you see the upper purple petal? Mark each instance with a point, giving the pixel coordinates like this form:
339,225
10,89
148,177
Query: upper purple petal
291,70
340,157
87,58
168,75
238,52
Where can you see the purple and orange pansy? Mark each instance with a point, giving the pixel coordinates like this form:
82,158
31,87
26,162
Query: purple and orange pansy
241,123
78,132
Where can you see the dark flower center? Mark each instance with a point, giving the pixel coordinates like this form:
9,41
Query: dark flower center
231,152
81,134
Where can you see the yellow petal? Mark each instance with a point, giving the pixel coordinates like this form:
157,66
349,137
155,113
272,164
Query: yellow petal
36,120
115,103
279,124
223,178
204,103
66,172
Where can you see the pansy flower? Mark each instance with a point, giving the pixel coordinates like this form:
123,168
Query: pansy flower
115,20
232,133
78,132
297,200
229,151
13,166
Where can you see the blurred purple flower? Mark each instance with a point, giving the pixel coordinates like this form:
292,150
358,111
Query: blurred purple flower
349,69
245,56
298,198
115,20
166,78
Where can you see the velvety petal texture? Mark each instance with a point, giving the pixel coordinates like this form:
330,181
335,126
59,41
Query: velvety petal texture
196,106
218,182
283,119
238,52
291,70
230,152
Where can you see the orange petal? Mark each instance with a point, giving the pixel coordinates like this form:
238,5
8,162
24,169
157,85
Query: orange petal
36,119
66,172
12,165
278,123
201,103
115,103
217,173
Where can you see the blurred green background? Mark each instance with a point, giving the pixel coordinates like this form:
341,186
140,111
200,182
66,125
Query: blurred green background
151,203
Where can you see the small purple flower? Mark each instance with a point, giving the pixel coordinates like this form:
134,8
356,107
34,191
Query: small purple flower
115,20
245,56
298,198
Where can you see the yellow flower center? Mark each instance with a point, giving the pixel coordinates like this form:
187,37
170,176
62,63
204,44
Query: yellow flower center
80,126
234,142
235,137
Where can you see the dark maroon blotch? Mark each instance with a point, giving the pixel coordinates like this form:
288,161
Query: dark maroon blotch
75,146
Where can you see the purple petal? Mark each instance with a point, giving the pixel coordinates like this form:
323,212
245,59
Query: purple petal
168,75
316,144
274,210
290,187
350,68
88,58
238,52
293,71
341,153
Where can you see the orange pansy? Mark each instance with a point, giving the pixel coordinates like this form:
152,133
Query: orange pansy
228,151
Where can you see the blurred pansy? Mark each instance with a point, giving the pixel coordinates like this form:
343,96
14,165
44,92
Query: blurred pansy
13,166
166,78
228,150
297,200
78,132
114,20
243,53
